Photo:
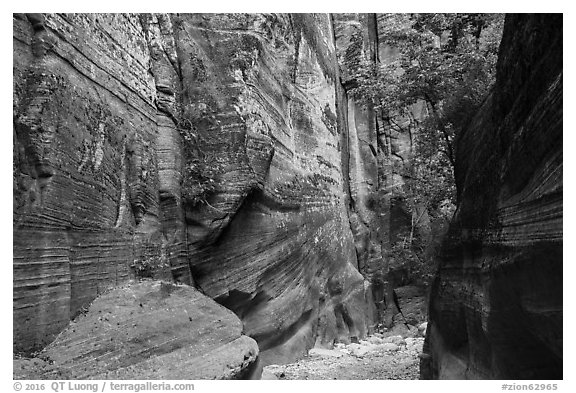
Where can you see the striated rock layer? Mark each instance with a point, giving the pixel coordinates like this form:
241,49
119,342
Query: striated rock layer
496,303
148,330
112,115
273,241
96,167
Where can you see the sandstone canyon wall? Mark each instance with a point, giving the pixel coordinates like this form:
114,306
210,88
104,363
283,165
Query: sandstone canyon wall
496,303
356,42
379,211
273,243
87,173
210,150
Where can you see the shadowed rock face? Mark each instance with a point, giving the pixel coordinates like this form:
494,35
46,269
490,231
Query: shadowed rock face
496,303
98,170
356,42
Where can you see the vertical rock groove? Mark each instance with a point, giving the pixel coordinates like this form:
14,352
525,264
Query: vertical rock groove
103,104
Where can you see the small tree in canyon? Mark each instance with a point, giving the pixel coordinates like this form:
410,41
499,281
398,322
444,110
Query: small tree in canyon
440,69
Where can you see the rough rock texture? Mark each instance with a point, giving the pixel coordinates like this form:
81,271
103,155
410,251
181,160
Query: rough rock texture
112,113
496,303
412,303
375,149
147,330
273,241
94,166
357,41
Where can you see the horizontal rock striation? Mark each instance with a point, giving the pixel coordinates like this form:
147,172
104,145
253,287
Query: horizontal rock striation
272,242
95,162
86,179
201,149
148,330
496,303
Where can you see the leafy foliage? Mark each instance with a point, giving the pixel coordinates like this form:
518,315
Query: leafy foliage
148,262
438,71
446,61
201,169
419,271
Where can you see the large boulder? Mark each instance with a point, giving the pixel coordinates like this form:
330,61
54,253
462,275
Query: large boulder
147,330
412,303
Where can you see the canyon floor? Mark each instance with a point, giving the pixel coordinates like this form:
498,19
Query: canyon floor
380,356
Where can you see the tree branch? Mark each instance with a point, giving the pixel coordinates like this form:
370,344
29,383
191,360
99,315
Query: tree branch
442,127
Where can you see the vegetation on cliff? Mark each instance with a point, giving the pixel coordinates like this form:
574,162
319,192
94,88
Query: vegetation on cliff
440,71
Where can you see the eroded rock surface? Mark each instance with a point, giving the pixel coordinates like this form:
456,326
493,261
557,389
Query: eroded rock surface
112,114
96,168
356,42
273,242
412,303
496,303
147,330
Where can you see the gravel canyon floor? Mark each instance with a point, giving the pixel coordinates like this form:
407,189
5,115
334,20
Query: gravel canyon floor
392,357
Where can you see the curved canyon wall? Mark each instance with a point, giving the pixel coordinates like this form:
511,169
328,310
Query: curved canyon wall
496,303
211,150
273,242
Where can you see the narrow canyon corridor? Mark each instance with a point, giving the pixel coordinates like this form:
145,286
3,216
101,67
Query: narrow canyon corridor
287,196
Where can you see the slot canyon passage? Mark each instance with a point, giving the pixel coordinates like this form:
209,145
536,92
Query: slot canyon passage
287,196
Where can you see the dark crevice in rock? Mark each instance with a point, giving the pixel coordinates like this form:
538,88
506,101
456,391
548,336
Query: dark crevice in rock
267,341
496,302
